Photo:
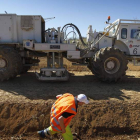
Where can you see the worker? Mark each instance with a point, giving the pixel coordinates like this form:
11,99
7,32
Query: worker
62,111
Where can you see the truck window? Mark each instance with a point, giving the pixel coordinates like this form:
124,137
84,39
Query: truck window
135,33
124,33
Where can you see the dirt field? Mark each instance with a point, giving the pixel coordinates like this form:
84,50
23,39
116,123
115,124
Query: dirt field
113,112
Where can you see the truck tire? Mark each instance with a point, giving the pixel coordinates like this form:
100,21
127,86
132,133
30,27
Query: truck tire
109,64
92,66
10,63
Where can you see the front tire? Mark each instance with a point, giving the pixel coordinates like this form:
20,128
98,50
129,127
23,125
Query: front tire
109,64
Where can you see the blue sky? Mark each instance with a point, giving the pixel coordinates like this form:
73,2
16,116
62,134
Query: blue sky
82,13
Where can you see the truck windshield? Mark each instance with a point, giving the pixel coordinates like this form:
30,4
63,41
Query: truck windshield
135,33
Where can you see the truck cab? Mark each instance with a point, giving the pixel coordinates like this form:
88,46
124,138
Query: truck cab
127,35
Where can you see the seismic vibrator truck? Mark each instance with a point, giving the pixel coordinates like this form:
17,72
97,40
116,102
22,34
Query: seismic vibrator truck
24,39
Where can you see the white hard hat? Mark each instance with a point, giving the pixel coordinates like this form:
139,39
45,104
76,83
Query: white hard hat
82,98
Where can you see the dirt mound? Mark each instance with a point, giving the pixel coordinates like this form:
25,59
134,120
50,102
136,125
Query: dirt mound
112,115
104,119
107,119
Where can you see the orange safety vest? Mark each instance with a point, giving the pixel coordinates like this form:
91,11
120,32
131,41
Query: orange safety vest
65,103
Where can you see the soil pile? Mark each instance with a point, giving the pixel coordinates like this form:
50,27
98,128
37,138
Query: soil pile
97,120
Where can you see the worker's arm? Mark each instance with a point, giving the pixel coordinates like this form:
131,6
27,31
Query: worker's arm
61,122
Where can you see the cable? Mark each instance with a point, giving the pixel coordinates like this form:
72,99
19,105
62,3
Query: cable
69,33
74,26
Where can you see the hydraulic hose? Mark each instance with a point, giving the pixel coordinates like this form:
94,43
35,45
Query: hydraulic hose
80,36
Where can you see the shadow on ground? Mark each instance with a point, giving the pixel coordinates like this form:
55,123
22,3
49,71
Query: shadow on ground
28,86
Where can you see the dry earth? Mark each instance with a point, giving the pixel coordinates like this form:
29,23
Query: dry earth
113,112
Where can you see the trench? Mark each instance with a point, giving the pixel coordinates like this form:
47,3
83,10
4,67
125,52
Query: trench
98,119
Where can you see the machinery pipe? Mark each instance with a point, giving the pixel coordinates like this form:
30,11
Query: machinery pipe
53,57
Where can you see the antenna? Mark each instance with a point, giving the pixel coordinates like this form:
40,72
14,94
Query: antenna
49,18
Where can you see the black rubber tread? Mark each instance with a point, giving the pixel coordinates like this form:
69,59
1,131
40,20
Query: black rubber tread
19,62
14,63
97,64
92,66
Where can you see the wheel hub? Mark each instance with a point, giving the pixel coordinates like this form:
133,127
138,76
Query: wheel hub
2,63
111,65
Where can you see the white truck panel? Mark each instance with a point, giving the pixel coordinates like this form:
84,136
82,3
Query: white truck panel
105,42
51,47
13,28
73,54
8,28
37,31
30,34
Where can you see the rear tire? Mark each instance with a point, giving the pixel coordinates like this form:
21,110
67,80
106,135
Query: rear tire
10,63
109,64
